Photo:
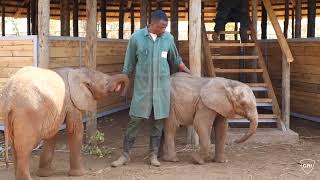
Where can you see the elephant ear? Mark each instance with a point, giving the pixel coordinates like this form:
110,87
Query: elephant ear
217,96
80,93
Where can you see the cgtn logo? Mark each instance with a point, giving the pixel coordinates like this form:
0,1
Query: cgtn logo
307,165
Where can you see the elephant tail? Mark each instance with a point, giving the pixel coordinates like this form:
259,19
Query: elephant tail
6,138
252,129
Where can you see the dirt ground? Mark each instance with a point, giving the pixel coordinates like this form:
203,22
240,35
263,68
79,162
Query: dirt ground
254,161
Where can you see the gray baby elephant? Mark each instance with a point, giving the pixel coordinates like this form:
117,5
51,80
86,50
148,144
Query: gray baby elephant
206,103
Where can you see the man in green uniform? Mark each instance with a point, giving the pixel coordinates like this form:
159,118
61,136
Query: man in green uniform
147,53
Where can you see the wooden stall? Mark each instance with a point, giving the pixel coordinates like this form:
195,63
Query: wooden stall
305,74
16,52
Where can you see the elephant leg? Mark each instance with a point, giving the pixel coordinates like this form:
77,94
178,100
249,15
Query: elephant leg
75,136
46,157
170,128
203,124
220,128
24,139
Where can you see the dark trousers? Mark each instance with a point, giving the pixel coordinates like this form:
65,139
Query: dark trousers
132,131
237,12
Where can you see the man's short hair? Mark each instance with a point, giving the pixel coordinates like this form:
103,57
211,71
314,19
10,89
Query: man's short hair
159,15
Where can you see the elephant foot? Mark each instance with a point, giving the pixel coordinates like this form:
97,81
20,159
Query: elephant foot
170,158
23,177
197,159
77,172
45,172
220,160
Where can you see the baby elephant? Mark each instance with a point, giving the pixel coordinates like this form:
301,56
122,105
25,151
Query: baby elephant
35,103
203,103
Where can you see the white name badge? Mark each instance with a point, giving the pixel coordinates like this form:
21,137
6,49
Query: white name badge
164,54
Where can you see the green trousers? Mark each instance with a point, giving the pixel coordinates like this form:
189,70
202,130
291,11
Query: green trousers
132,131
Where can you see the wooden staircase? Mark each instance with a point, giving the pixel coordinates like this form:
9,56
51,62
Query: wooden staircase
243,62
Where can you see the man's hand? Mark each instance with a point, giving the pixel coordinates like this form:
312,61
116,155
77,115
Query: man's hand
183,68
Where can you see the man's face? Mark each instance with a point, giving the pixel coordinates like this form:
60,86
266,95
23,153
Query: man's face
159,27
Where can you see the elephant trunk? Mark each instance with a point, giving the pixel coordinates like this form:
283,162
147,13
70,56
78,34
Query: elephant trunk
119,79
252,129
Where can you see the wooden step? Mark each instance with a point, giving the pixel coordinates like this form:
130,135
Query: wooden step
227,32
235,57
218,45
263,118
264,102
218,70
258,86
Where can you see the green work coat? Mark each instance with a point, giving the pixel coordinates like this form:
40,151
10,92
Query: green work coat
152,74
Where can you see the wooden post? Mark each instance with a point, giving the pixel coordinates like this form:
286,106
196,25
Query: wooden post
254,14
175,20
312,7
28,18
286,18
286,91
121,18
143,13
3,20
235,29
44,23
159,5
132,17
75,18
90,56
292,22
36,17
298,19
264,23
103,18
194,50
149,10
65,17
33,16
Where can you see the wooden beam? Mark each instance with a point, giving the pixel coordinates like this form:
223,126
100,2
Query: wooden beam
194,48
254,14
298,19
65,17
28,18
286,92
75,18
132,17
264,19
44,23
286,19
143,13
281,39
292,22
311,18
33,16
175,20
90,56
121,18
103,18
3,20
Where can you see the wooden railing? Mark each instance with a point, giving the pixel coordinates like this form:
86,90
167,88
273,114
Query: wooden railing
286,60
281,39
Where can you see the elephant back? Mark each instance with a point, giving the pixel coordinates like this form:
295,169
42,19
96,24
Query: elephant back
186,87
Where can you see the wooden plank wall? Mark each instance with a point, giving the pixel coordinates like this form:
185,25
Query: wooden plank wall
305,74
110,56
14,54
